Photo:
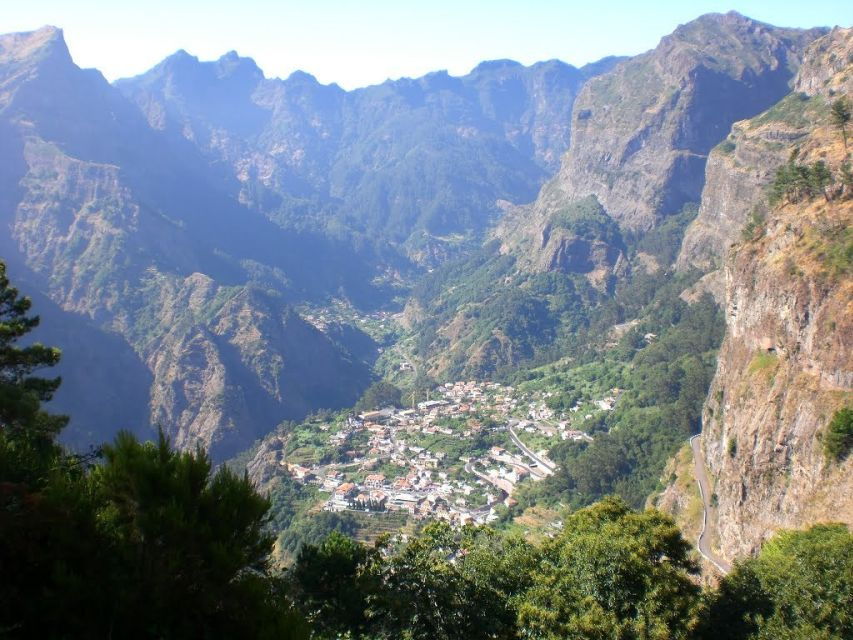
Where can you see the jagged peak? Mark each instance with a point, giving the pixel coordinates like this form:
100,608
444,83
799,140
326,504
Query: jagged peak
302,77
47,42
494,65
231,63
553,63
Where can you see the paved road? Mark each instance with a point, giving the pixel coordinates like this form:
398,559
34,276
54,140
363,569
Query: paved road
526,451
709,512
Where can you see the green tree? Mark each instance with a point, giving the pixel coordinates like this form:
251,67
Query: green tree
799,587
332,584
840,114
821,178
151,543
378,395
27,432
838,439
847,179
613,573
427,593
189,544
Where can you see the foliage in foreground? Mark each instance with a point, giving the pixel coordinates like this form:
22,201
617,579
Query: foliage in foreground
611,573
152,543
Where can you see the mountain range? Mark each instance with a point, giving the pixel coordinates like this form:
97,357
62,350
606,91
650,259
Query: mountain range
178,227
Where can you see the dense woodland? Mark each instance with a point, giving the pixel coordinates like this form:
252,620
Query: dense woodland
139,540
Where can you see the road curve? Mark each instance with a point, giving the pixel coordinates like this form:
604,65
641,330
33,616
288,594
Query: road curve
709,512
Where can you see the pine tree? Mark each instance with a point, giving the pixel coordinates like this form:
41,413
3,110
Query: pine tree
27,432
840,115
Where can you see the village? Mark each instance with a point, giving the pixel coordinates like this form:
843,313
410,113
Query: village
457,456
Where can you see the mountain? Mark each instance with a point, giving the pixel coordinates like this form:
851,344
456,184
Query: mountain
170,223
742,166
784,368
136,240
413,161
615,211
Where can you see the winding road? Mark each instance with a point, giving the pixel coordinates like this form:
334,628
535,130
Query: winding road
709,512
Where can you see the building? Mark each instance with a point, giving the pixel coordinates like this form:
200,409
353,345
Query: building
375,481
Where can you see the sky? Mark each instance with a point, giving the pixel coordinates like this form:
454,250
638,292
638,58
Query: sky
358,43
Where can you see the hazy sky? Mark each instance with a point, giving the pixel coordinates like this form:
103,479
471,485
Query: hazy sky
356,43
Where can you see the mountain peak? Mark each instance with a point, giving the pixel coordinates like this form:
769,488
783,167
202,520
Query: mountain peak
45,43
231,63
494,65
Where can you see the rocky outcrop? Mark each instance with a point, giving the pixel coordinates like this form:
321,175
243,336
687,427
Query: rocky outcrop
741,168
138,245
785,365
641,133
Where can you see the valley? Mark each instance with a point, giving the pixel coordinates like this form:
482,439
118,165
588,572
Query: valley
429,326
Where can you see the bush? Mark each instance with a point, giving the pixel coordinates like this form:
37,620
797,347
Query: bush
839,435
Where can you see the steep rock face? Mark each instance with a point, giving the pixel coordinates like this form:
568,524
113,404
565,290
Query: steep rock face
404,160
785,365
137,242
740,169
641,133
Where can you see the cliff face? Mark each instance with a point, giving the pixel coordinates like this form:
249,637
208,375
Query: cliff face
786,363
740,168
405,161
139,245
641,133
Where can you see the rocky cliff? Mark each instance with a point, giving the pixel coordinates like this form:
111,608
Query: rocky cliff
785,365
741,167
641,133
138,243
410,160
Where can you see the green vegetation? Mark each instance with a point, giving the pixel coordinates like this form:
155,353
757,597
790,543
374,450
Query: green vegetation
610,573
664,385
800,586
838,439
754,226
795,109
798,182
838,253
727,146
148,543
378,395
587,218
839,115
763,362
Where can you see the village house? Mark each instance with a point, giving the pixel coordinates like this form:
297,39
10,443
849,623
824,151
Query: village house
375,481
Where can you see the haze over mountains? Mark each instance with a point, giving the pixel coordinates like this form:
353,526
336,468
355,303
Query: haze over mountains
171,224
226,195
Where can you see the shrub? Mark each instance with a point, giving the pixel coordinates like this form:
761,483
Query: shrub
839,435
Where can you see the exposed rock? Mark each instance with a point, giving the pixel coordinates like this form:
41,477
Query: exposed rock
641,133
786,363
741,168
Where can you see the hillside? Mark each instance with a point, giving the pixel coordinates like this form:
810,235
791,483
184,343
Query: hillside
612,217
137,242
416,162
784,368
